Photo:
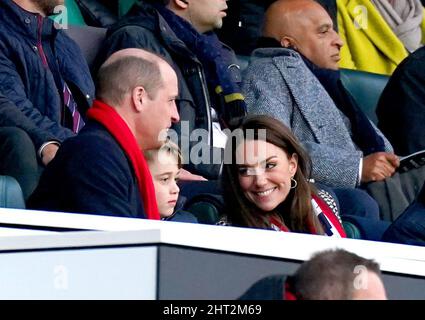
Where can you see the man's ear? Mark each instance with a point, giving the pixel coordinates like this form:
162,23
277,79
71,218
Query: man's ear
139,97
181,4
287,42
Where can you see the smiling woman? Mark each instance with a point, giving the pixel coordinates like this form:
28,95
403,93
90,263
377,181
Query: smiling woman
266,183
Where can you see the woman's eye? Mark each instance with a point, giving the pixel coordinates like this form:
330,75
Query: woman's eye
243,171
270,165
164,179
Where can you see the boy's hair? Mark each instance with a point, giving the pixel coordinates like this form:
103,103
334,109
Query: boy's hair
170,148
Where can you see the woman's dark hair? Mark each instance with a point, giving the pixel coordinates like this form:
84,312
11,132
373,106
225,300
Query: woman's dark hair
296,211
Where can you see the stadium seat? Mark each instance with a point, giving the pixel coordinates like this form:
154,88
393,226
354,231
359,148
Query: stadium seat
89,40
207,208
74,14
11,193
124,6
351,230
366,88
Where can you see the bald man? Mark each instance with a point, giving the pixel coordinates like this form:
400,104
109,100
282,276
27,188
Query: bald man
100,171
294,77
307,27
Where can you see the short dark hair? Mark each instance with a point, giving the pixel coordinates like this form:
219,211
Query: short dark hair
329,275
117,78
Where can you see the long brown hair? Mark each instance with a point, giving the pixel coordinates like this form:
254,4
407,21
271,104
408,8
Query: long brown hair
296,211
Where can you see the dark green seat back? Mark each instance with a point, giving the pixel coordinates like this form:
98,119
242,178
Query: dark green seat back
351,230
124,6
366,88
205,212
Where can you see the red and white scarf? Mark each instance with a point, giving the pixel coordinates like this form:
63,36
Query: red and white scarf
330,223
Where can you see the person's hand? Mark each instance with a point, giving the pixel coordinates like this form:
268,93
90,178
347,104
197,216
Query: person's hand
187,176
379,166
48,153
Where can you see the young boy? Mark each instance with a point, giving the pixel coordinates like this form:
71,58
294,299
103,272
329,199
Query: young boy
165,164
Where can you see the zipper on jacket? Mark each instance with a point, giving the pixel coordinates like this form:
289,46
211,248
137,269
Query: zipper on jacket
207,104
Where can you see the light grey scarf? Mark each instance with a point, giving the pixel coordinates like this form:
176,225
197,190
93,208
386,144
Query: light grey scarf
405,18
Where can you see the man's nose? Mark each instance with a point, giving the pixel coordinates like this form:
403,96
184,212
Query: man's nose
337,40
175,117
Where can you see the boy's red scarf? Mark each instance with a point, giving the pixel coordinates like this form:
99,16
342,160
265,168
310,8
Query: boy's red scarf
116,126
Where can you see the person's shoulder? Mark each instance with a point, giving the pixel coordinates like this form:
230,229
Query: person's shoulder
183,216
273,58
283,54
94,148
141,18
419,54
93,139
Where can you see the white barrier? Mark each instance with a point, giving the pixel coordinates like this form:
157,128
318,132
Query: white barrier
199,247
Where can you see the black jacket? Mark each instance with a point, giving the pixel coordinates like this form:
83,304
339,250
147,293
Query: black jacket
143,27
401,107
34,85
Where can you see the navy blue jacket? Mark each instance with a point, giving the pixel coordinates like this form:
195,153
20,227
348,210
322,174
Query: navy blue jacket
11,116
33,84
90,174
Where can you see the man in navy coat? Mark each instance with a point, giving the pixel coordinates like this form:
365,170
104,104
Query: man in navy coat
94,172
44,75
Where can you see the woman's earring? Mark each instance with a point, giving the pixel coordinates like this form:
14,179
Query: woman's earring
294,183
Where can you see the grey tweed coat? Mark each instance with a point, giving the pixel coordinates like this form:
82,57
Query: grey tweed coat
279,84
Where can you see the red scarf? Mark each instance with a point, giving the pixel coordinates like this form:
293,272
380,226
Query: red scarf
116,126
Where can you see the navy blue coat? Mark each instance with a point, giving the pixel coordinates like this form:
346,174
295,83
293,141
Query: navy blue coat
11,116
32,84
90,174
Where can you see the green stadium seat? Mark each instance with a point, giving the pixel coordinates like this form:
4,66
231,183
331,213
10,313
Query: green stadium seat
124,6
351,230
11,193
74,14
366,88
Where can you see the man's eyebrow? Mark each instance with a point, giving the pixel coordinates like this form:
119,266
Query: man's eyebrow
325,26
